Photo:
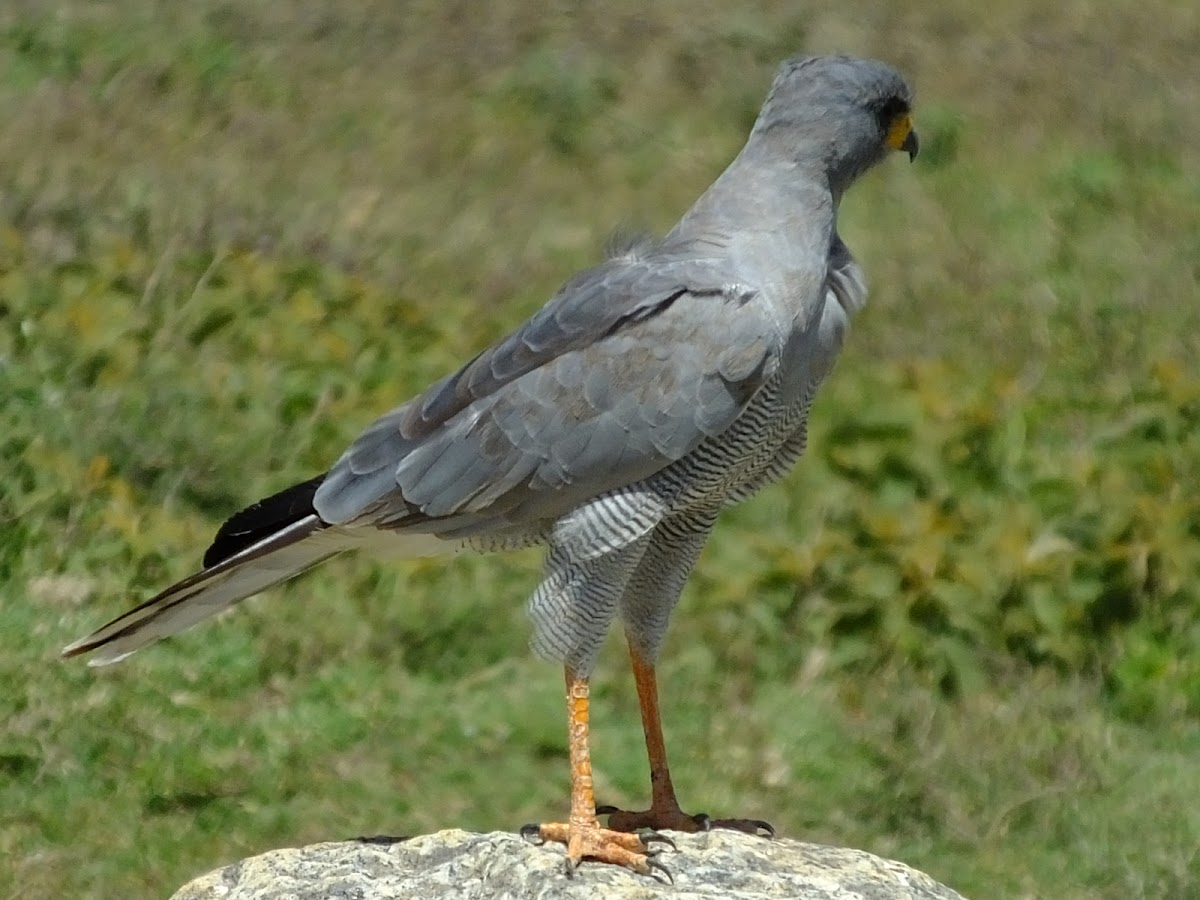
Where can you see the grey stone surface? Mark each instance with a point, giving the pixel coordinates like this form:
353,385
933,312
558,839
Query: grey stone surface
456,864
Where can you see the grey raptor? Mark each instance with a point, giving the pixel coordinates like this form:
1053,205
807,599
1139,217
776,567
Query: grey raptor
650,392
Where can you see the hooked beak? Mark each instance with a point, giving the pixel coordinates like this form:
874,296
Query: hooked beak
902,136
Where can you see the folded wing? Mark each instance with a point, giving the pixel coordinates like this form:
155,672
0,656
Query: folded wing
626,370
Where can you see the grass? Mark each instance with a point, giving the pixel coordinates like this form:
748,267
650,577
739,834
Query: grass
963,633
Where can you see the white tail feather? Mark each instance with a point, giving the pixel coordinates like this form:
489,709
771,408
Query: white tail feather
281,556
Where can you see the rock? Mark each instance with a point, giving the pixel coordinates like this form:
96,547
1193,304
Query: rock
456,864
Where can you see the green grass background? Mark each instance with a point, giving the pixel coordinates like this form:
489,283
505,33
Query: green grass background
963,633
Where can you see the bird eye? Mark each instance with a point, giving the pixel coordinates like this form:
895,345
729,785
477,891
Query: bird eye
890,110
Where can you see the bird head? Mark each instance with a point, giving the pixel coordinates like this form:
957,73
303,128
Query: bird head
836,113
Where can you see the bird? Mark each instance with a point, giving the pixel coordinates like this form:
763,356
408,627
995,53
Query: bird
671,380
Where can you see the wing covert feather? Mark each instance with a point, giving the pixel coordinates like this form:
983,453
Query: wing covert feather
626,370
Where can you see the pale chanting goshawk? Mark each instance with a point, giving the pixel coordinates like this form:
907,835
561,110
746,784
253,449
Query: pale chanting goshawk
668,382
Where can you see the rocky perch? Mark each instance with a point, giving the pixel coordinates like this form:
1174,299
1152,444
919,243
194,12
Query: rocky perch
457,864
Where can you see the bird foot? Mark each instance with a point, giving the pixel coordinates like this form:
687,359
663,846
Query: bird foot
672,818
590,841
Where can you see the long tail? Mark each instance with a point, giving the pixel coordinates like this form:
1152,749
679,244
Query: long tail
282,555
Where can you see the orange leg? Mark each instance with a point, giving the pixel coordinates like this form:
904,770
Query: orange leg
664,812
582,834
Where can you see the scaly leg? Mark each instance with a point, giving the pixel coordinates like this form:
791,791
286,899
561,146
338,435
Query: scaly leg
582,834
664,812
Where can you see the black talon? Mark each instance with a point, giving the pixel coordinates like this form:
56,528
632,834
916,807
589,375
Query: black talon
746,826
704,820
532,833
571,865
655,865
606,810
650,836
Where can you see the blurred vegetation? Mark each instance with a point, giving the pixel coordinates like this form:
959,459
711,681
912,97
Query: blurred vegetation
963,633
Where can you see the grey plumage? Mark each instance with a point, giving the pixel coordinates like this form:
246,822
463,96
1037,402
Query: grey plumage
650,392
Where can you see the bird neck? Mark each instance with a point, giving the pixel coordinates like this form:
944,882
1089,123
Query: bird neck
765,194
